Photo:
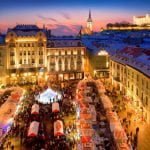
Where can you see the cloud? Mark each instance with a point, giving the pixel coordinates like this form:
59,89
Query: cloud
65,15
47,18
60,29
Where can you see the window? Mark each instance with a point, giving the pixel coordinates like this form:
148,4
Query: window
147,84
33,61
12,62
79,52
20,53
0,54
28,52
32,52
146,102
137,92
132,88
11,35
59,52
40,61
12,53
24,52
24,61
132,74
20,62
40,52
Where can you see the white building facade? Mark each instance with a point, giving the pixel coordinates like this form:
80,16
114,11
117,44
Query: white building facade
141,20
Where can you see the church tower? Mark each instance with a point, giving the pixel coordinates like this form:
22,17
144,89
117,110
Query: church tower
90,22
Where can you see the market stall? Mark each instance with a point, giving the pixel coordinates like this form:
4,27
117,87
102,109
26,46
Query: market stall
33,129
35,109
58,128
55,107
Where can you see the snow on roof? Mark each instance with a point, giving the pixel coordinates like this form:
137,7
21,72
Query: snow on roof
27,33
136,57
64,42
26,27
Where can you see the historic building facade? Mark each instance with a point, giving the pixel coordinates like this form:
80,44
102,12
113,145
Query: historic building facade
66,59
141,20
132,78
32,55
26,53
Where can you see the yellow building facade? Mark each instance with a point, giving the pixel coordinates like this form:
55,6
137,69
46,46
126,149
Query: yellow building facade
32,56
133,83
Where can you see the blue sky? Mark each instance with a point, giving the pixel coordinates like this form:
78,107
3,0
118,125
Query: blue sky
69,14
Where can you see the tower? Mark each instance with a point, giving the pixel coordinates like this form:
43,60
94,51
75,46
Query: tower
90,22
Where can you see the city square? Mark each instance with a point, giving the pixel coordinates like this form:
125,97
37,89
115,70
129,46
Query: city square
74,75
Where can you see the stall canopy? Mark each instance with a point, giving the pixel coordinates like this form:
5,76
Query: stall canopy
33,129
48,96
35,109
85,139
55,107
58,128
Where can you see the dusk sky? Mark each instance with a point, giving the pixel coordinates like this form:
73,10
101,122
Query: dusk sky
67,16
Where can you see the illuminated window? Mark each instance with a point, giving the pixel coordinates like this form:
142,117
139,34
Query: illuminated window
33,61
12,62
12,53
0,62
40,61
137,92
146,100
20,62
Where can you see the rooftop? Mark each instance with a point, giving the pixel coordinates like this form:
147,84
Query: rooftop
136,57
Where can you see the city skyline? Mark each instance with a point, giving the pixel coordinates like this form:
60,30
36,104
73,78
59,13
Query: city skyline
61,16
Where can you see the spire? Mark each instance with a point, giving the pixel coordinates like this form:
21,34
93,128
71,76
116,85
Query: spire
90,18
90,14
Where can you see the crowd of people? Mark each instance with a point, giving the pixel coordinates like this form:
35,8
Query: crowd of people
127,116
45,138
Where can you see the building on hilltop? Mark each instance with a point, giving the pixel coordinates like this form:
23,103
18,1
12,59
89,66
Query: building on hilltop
141,20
